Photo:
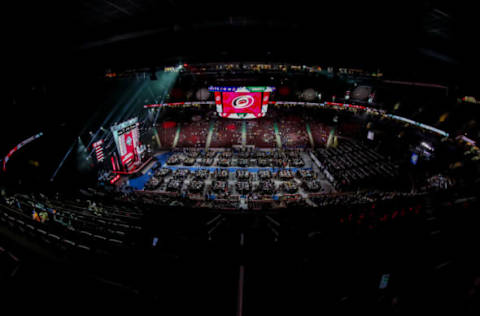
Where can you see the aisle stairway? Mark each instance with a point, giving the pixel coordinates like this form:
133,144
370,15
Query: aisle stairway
277,135
244,134
310,137
209,135
331,138
177,135
157,138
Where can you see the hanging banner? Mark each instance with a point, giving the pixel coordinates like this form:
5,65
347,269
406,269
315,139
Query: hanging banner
20,145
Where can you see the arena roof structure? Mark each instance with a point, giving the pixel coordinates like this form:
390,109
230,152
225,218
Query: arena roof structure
403,36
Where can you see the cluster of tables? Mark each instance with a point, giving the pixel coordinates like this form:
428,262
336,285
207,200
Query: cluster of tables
297,162
196,186
162,172
286,174
206,161
243,187
175,160
154,183
221,174
219,186
267,187
224,162
242,174
244,181
226,154
264,174
306,174
174,185
290,187
189,157
242,162
201,174
312,186
189,161
158,178
181,173
229,158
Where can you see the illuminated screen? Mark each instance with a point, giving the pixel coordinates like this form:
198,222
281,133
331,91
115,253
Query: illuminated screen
242,104
126,136
127,146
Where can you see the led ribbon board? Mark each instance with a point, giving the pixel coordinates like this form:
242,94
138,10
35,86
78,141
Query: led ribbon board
20,145
98,146
242,102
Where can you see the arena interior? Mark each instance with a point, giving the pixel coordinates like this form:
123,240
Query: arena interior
151,171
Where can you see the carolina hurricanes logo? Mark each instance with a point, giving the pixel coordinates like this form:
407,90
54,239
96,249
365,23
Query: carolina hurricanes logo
243,102
129,140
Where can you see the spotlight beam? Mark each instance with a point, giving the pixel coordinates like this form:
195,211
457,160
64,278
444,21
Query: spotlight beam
63,161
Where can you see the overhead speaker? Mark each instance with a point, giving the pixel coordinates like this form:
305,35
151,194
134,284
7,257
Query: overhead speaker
309,94
361,93
202,94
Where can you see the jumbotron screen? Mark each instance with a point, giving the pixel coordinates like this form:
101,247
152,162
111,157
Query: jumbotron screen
242,102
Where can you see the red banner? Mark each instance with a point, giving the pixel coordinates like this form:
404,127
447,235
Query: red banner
218,98
266,97
169,124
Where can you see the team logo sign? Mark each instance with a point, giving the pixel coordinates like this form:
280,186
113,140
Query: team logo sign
243,102
129,140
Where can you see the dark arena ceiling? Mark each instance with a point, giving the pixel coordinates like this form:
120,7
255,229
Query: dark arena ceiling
412,37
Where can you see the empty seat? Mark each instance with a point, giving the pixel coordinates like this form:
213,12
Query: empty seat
53,237
66,245
11,221
44,236
114,245
42,232
98,237
21,226
68,242
83,232
83,247
30,230
116,241
81,252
